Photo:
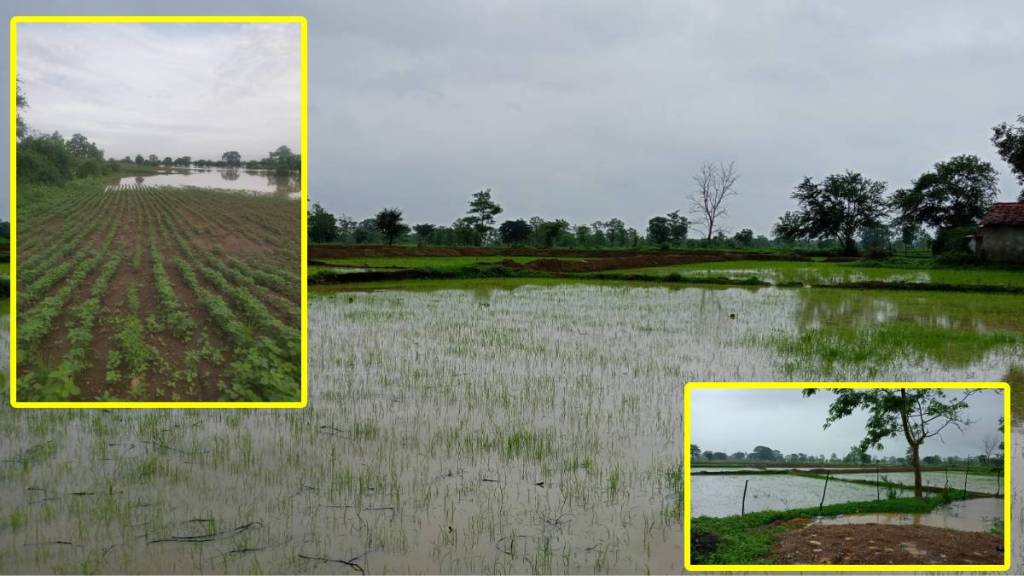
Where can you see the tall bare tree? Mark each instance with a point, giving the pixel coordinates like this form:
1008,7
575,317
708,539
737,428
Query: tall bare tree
715,183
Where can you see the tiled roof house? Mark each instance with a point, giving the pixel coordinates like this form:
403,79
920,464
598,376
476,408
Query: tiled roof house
1001,234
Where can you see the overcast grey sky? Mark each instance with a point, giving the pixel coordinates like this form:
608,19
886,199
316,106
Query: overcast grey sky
165,89
593,109
738,420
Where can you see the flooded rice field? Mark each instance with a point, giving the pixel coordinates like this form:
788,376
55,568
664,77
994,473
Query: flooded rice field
722,495
954,479
513,429
263,181
974,515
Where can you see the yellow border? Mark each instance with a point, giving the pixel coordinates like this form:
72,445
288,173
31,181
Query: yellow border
304,150
849,567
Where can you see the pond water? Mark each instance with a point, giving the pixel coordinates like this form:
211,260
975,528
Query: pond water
974,515
262,181
499,428
975,482
722,495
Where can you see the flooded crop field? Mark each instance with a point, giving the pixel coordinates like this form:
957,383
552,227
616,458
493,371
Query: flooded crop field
722,495
954,479
251,180
497,427
972,515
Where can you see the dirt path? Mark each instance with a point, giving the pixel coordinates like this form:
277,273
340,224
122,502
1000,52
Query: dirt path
886,544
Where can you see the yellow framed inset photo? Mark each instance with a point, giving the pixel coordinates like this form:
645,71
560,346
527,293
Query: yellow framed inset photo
158,238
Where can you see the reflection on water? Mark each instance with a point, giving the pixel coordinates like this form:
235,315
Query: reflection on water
975,515
262,181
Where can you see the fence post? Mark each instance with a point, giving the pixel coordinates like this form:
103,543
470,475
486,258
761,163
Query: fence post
827,474
966,470
743,504
878,489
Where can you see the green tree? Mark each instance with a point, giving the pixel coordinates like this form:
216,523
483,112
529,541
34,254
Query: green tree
694,451
283,160
839,207
658,230
482,210
744,237
915,413
956,193
231,158
678,226
22,104
44,159
550,234
139,159
514,232
1009,142
423,233
389,222
764,454
323,226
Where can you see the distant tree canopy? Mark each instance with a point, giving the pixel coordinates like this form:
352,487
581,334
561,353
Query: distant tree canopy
231,158
957,193
283,160
482,210
839,207
423,233
22,103
514,232
322,225
1009,142
658,230
389,222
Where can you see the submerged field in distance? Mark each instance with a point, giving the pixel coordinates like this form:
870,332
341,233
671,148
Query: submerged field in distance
135,293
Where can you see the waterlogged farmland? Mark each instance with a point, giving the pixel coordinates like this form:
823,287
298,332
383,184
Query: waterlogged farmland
139,293
499,427
722,495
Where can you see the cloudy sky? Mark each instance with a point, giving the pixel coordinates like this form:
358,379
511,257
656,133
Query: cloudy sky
738,420
595,109
165,89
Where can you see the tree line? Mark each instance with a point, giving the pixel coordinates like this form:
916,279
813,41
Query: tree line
53,159
855,455
848,212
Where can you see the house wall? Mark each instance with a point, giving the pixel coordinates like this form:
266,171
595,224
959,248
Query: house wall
1003,244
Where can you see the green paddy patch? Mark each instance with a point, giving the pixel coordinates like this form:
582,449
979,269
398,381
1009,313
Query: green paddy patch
878,347
900,271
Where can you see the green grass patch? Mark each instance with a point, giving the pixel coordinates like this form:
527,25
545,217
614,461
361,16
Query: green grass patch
748,539
879,346
897,271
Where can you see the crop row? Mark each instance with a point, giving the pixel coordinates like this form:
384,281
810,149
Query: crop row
59,383
178,320
261,369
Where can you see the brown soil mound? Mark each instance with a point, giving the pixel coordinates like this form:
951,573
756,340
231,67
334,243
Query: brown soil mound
887,544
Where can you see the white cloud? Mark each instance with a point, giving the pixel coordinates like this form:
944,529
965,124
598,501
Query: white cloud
165,89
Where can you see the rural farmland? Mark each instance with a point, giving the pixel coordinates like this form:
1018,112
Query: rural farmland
517,425
130,292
